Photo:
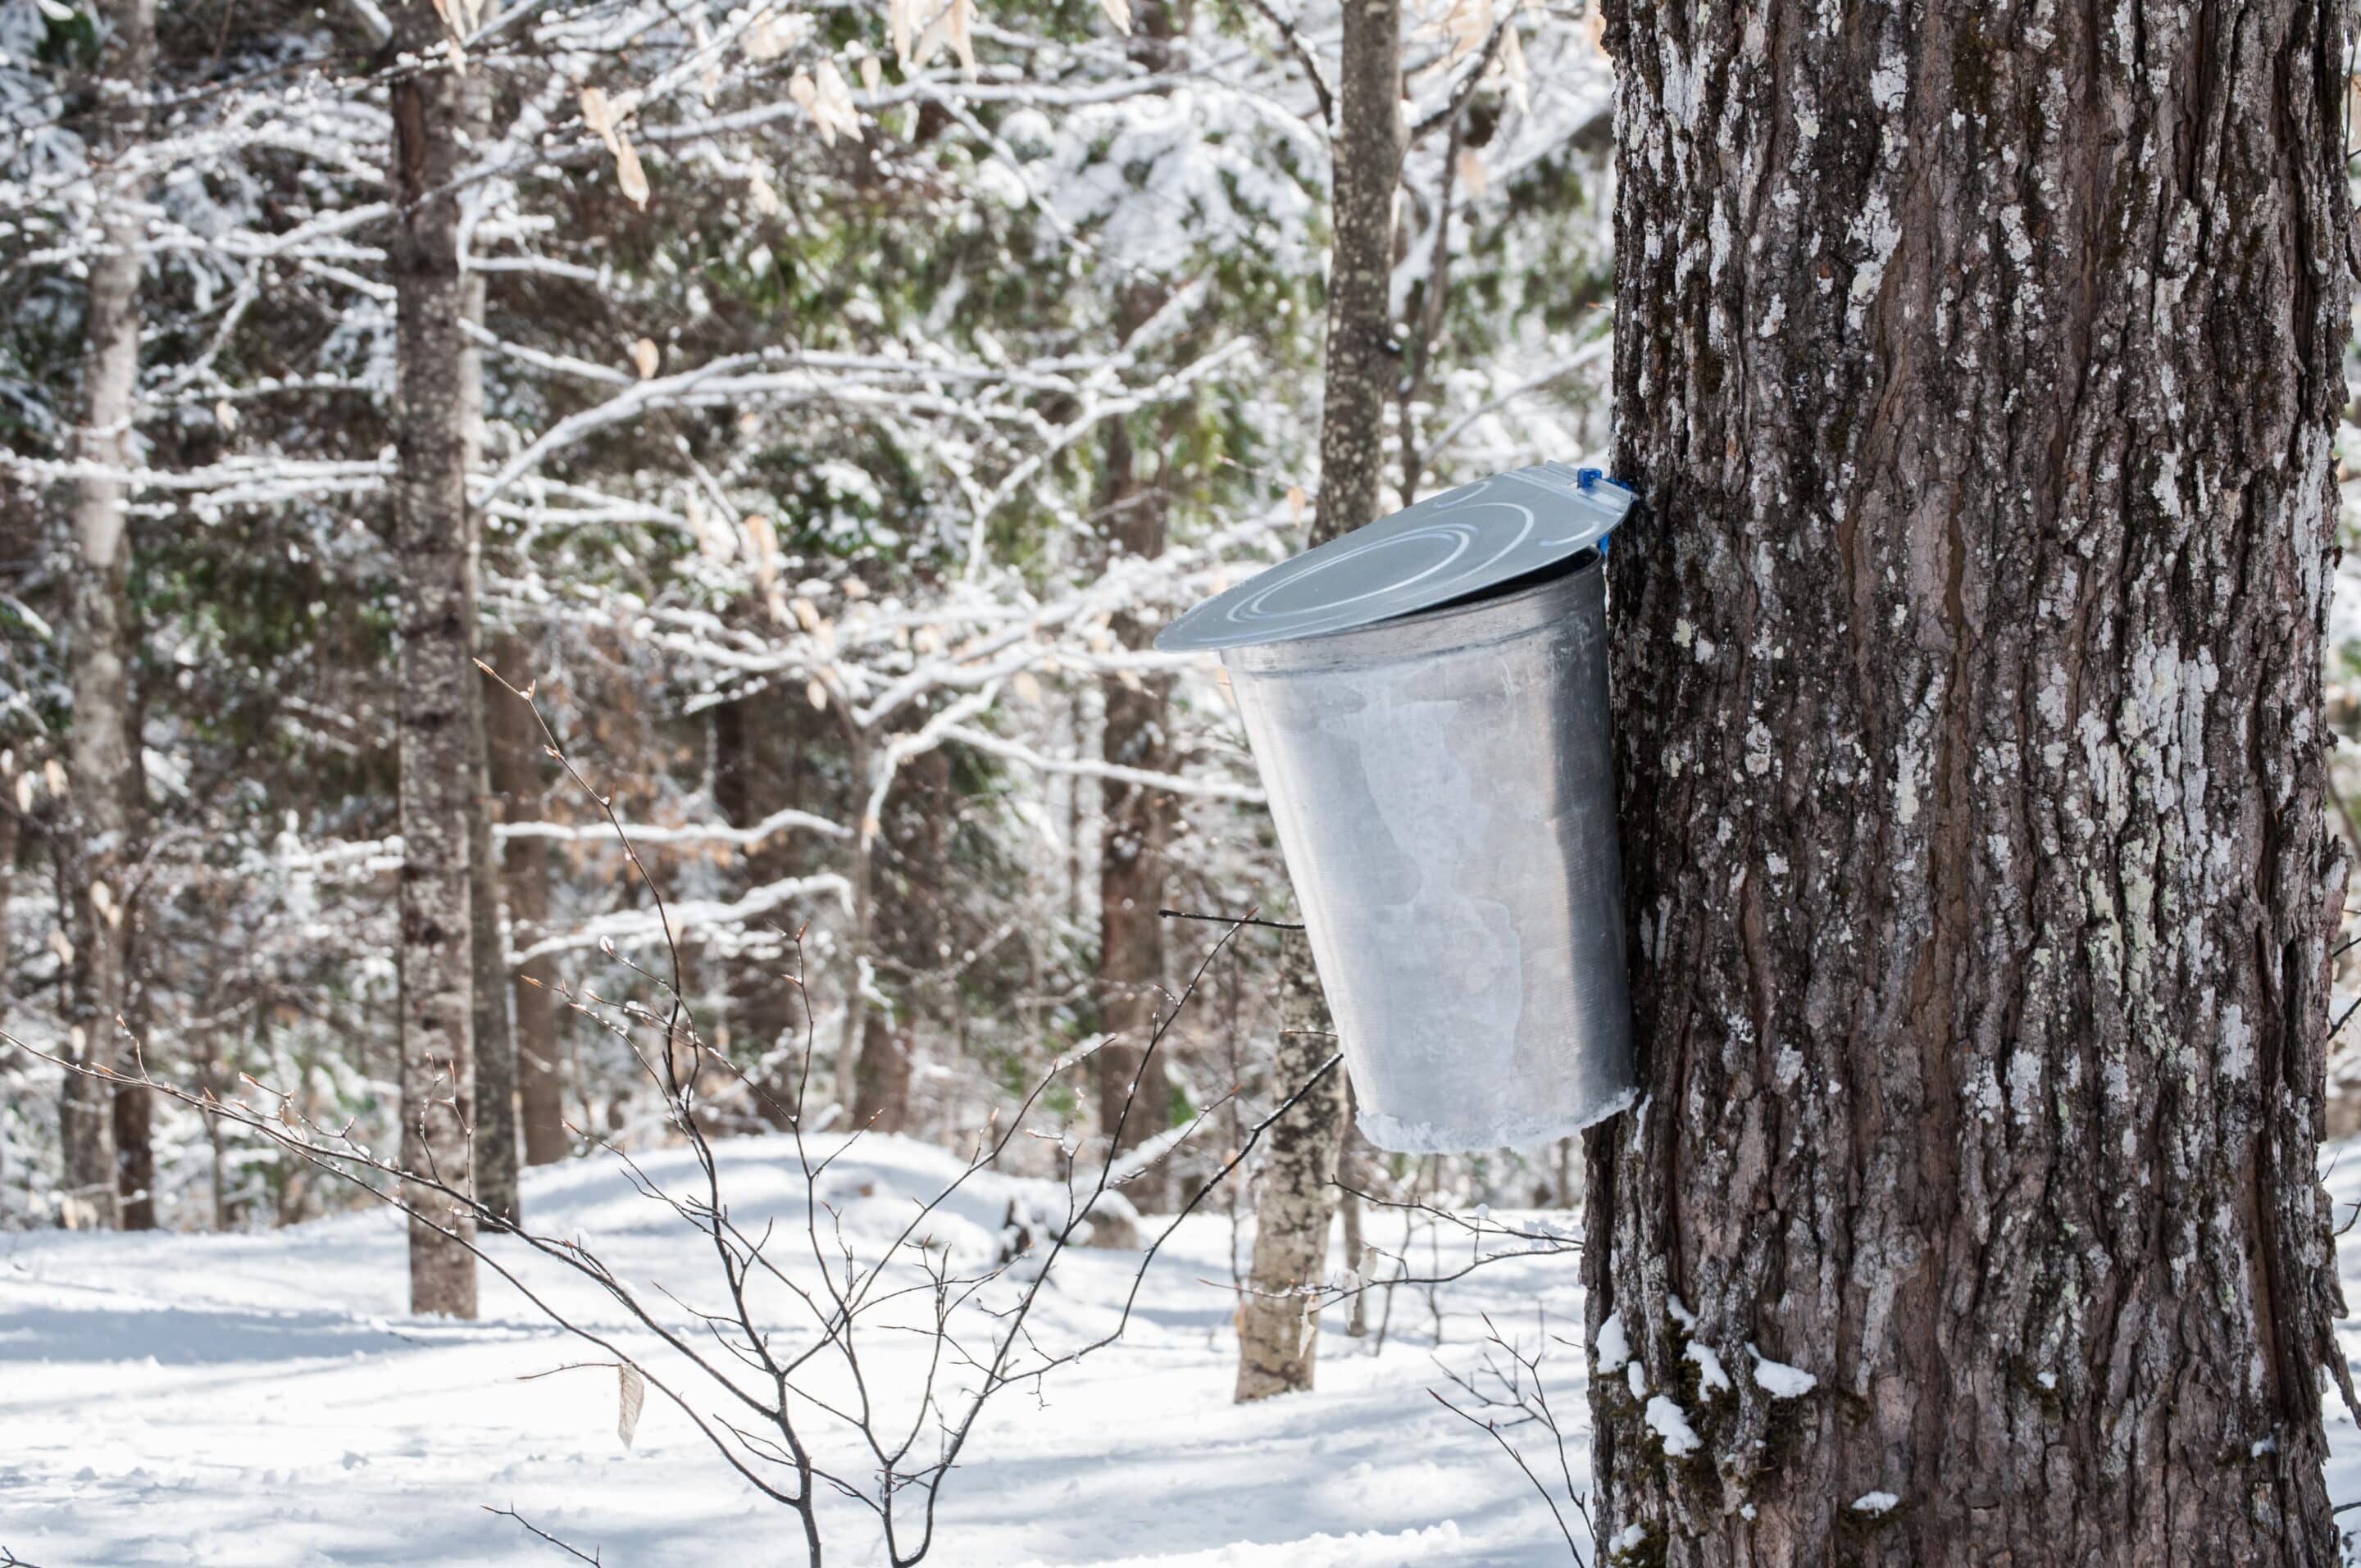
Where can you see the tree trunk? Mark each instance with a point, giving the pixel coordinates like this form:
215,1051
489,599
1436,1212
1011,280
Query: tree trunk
1361,358
1295,1198
755,753
11,828
540,1054
496,1151
514,742
1979,369
437,698
1295,1191
133,1108
496,1144
99,838
1355,1171
881,1091
861,872
1132,859
873,1066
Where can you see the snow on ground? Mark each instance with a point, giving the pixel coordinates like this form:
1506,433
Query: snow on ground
260,1399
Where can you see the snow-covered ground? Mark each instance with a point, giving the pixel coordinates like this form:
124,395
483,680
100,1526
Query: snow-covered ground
262,1399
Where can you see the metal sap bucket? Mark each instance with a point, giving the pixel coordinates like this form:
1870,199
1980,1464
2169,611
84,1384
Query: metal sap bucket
1427,703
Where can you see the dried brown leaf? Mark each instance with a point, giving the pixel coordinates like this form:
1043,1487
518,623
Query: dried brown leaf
632,1391
628,172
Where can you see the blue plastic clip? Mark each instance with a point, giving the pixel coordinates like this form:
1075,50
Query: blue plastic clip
1586,477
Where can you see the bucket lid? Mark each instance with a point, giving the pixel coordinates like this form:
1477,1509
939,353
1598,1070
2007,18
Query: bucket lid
1447,548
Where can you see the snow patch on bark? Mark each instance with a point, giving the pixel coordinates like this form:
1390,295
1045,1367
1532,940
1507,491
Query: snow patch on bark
1671,1424
1711,1376
1613,1349
1780,1380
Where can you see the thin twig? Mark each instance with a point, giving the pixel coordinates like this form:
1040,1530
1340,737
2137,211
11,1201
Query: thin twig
1227,919
579,1555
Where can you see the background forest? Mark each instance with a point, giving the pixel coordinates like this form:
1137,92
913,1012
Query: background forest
853,410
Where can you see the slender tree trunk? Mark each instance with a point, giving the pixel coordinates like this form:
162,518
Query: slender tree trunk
1361,360
497,1152
438,698
11,830
873,1066
1355,1170
134,1108
1295,1198
1295,1191
857,978
1979,367
756,745
906,932
881,1095
540,1054
11,1062
1132,857
514,741
1430,300
99,837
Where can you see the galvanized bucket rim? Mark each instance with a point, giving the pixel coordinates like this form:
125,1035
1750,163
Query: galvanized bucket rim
1491,617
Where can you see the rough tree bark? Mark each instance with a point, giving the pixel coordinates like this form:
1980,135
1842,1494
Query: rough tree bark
1295,1189
438,698
1979,366
98,835
1137,830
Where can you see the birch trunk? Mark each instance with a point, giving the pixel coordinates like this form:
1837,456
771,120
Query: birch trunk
100,837
1295,1198
1979,365
1295,1191
438,698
